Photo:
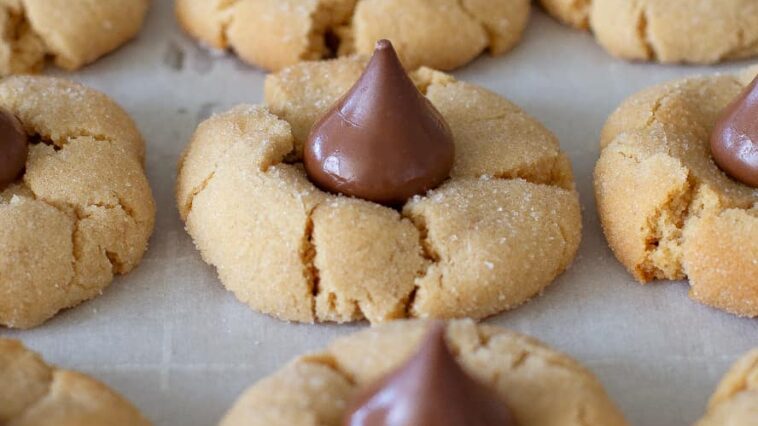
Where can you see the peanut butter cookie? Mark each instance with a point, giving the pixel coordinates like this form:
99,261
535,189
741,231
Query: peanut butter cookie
33,393
72,32
735,401
274,34
78,209
668,210
501,228
702,32
540,386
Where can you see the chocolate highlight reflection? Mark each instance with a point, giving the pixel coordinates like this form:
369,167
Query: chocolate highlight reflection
734,141
383,141
431,389
14,148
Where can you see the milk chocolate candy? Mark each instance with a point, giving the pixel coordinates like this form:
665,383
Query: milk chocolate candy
734,141
431,389
14,148
383,141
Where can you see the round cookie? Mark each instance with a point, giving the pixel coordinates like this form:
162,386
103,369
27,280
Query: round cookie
667,210
671,31
541,386
494,235
274,34
73,32
33,393
82,212
735,401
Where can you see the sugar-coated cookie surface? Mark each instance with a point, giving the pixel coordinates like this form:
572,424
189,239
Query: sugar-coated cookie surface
274,34
33,393
72,32
541,386
667,210
735,401
702,31
82,212
494,235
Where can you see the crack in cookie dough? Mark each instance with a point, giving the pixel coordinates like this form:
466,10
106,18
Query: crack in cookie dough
672,31
688,218
328,360
310,270
487,30
225,9
275,34
546,388
663,258
643,32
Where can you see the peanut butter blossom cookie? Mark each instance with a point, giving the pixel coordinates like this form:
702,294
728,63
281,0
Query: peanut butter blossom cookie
735,401
398,197
71,32
274,34
704,31
676,187
33,393
418,373
75,205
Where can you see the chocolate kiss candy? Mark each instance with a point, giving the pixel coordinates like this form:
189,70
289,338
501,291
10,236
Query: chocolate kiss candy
383,141
431,389
734,141
14,147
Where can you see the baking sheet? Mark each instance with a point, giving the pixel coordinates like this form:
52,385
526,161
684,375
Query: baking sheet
173,341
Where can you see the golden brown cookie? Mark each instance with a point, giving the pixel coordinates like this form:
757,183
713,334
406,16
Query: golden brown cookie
72,32
82,212
33,393
490,238
735,401
668,211
541,386
274,34
705,32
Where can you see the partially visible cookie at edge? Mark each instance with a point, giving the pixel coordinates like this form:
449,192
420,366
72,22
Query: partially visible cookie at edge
82,210
667,209
73,33
735,400
541,386
33,393
671,31
274,34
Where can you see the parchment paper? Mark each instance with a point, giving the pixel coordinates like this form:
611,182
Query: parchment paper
173,341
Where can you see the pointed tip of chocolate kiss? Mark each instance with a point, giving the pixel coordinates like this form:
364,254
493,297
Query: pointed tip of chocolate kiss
431,388
383,141
734,141
384,44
